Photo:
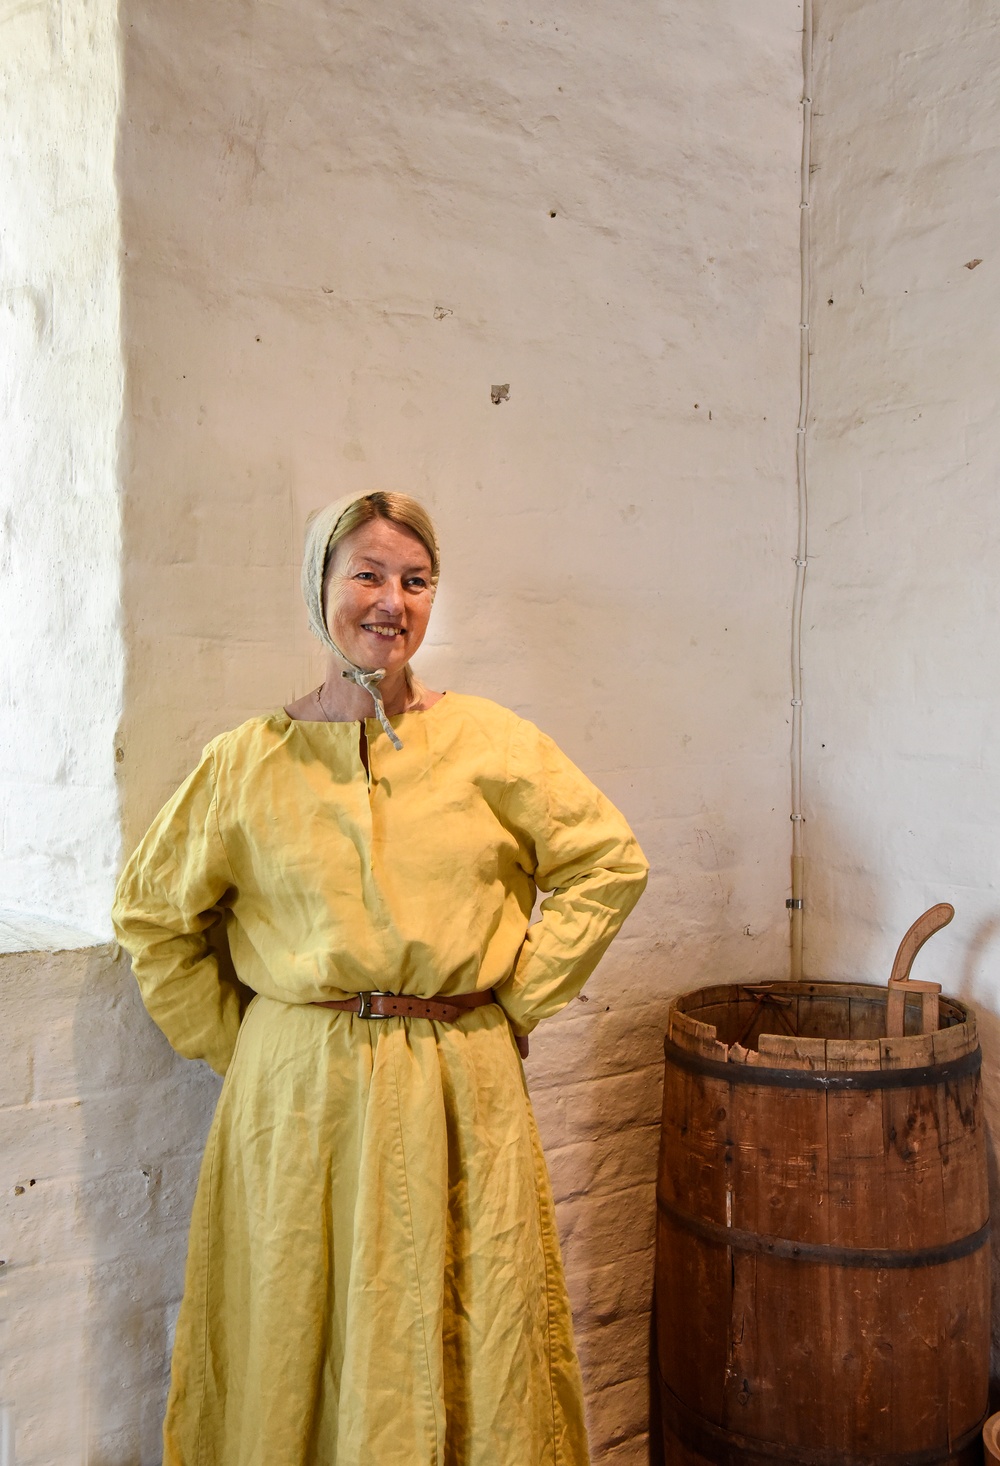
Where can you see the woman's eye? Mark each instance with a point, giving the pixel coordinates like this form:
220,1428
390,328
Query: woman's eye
416,582
365,575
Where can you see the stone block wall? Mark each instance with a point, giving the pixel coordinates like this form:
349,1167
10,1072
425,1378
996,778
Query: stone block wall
102,1128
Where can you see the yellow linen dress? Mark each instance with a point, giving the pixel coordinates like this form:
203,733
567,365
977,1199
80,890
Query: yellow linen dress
373,1275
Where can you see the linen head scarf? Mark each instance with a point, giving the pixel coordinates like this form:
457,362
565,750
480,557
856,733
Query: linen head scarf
319,533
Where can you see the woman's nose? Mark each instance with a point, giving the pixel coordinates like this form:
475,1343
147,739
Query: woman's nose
391,595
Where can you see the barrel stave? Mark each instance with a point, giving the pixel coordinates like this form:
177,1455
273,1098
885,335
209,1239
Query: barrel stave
857,1201
694,1135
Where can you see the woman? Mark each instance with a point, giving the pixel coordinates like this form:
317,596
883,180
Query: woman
373,1276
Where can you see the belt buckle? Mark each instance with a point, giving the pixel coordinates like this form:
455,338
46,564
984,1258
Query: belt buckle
365,1003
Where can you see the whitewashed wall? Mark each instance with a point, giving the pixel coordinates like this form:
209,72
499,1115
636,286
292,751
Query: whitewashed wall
340,231
60,409
903,688
80,1277
343,226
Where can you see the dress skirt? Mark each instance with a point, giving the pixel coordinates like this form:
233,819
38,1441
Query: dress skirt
374,1276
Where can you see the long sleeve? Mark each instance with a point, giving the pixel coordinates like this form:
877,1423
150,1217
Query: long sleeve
575,844
168,899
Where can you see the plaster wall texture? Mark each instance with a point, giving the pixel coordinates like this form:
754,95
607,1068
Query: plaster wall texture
340,229
60,408
903,693
343,227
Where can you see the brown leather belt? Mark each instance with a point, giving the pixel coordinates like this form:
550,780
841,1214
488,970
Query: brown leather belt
399,1005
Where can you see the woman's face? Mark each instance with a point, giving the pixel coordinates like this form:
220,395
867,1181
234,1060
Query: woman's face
377,595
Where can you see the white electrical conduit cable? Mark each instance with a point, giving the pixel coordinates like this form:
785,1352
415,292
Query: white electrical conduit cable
801,468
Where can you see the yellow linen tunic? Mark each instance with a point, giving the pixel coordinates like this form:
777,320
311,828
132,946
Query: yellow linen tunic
373,1275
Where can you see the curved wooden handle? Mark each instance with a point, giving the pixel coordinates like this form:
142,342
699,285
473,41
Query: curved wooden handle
922,929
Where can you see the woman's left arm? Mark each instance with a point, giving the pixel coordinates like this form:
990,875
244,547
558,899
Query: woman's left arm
577,846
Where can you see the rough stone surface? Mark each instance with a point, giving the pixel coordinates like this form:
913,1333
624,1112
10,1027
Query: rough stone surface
903,772
60,408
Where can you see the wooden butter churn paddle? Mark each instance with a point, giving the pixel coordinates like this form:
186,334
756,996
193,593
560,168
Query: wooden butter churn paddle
900,982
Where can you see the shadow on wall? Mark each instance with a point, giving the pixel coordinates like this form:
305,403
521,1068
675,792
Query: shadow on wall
127,1196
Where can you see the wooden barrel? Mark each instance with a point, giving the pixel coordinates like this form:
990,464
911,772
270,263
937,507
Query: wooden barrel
822,1258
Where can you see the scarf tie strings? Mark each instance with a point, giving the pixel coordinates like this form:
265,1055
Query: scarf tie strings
369,682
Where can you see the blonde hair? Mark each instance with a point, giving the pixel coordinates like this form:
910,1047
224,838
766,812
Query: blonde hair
397,509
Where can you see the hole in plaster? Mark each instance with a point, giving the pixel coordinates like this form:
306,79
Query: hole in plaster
500,394
552,215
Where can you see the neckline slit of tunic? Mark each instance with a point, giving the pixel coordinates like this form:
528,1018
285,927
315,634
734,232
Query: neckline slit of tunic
394,719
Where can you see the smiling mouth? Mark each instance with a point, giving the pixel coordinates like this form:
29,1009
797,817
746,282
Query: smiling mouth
385,631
